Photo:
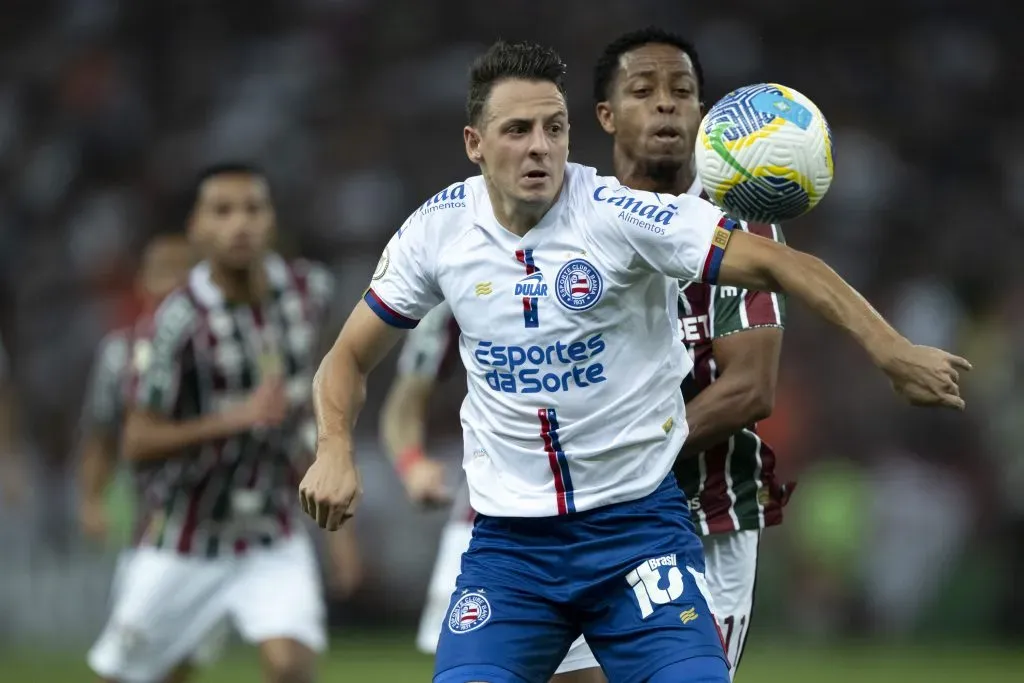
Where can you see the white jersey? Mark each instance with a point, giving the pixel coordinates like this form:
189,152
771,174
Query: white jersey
568,334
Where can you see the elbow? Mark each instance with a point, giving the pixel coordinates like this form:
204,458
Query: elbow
759,404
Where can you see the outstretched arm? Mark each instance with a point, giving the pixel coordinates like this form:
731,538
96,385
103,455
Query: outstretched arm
926,376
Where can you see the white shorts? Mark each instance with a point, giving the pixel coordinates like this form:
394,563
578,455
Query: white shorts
731,568
454,541
213,645
167,607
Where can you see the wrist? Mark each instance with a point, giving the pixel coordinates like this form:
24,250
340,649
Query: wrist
407,458
336,447
887,351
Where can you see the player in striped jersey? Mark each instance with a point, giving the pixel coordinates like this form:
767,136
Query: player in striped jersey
648,87
214,433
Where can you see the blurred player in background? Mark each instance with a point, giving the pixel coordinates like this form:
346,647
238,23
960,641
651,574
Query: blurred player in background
166,262
217,433
647,87
574,416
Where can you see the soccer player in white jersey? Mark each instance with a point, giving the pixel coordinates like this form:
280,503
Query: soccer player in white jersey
573,416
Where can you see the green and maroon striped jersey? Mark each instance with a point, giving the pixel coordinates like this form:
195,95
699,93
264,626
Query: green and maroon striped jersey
732,486
204,354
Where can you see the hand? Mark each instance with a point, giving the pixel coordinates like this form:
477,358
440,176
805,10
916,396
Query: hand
92,517
267,406
424,483
331,488
926,376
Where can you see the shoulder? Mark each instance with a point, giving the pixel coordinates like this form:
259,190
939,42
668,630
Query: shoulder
315,277
451,204
623,206
175,319
114,348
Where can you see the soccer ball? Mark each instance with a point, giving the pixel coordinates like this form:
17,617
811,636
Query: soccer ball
764,153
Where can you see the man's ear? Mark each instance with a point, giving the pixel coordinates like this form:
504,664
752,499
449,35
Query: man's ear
472,138
605,117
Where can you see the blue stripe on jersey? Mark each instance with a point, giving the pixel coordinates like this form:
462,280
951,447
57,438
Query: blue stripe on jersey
530,317
563,461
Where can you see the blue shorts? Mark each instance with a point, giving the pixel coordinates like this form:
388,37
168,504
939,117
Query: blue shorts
629,576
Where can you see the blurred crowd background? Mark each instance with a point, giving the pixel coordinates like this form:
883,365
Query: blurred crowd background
906,524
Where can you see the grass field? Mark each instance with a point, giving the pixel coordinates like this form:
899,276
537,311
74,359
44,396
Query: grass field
390,659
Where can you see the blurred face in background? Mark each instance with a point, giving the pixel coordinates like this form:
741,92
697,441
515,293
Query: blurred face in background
233,220
522,141
654,108
166,263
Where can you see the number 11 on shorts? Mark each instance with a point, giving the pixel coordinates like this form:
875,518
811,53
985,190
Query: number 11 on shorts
644,581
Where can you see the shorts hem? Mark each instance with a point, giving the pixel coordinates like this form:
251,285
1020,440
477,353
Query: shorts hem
646,672
752,524
476,672
317,643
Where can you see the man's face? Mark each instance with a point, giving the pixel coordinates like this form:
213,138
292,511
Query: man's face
522,142
165,266
654,108
233,219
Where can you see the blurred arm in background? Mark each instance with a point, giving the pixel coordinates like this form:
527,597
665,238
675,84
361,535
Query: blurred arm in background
426,358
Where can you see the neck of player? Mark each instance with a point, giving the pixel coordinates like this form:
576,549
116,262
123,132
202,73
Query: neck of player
515,215
240,284
651,176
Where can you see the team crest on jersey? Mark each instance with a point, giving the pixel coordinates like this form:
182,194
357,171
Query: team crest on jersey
471,611
578,285
382,265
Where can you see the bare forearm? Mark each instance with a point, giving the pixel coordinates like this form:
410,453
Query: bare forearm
339,392
403,417
812,281
148,437
720,411
761,264
98,459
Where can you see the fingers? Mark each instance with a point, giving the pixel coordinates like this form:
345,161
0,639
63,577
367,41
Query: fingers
338,515
953,401
329,516
959,363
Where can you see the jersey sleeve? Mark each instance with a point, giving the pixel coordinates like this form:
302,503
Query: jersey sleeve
738,309
682,236
104,400
429,349
404,285
158,359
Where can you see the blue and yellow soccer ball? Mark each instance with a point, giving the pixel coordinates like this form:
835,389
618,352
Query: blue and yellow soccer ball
764,153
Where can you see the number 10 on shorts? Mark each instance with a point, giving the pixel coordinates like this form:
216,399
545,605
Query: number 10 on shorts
645,580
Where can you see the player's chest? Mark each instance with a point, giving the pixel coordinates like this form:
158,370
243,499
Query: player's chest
277,336
552,288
